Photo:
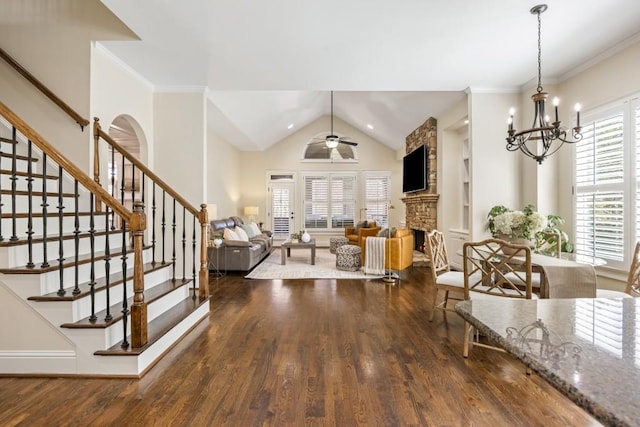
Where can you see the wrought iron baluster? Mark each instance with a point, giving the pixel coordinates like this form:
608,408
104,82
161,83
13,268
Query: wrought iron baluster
113,183
153,223
125,303
184,243
173,242
45,205
30,263
61,290
14,184
76,238
142,187
193,273
107,267
92,274
164,224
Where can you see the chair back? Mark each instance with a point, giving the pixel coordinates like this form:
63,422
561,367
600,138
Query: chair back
496,267
436,253
633,279
549,242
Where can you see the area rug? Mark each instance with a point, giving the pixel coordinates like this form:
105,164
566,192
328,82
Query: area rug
299,267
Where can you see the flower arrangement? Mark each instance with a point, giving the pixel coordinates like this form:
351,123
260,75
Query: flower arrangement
522,224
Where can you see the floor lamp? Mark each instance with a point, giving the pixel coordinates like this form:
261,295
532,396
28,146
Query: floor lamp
389,278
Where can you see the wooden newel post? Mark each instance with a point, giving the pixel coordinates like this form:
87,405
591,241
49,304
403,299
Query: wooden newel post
203,275
96,159
139,307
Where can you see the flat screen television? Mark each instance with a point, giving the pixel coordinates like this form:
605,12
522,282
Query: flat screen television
414,170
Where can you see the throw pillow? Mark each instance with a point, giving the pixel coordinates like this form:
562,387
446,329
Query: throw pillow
256,229
361,224
383,233
229,234
249,230
242,234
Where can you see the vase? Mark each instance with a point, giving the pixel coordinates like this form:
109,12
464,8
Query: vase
306,238
516,241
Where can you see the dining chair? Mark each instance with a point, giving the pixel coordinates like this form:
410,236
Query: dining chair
442,277
633,280
490,273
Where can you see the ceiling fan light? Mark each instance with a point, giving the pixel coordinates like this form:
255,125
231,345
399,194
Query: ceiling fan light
331,141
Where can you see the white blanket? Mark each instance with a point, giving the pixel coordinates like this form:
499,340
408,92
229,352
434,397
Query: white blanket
374,255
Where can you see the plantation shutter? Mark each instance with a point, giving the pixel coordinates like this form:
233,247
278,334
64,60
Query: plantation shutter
377,199
280,210
600,188
316,201
343,200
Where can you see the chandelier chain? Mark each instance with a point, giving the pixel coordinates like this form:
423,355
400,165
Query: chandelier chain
539,54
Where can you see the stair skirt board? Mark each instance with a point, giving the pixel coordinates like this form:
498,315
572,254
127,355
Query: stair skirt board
51,363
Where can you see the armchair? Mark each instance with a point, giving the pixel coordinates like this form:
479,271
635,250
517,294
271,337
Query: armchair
398,250
357,234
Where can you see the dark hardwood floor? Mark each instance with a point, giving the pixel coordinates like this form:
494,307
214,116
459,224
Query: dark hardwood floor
308,352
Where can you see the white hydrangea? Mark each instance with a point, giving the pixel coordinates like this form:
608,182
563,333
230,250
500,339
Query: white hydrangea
517,224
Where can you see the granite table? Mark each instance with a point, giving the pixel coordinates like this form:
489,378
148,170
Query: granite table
587,348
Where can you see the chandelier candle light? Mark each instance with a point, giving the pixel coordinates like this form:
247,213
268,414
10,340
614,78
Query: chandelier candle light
538,142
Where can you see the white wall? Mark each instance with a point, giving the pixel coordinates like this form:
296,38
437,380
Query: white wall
286,156
223,175
495,172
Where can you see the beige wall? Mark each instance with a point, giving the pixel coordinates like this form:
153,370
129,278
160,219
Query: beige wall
223,175
58,54
286,156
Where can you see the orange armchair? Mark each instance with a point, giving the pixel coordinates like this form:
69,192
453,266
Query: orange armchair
356,237
398,251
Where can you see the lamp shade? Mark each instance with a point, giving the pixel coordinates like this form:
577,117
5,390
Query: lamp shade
251,210
212,211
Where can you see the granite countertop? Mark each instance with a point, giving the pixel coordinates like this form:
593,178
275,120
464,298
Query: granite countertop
588,348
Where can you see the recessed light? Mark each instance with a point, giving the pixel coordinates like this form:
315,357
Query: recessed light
290,126
369,126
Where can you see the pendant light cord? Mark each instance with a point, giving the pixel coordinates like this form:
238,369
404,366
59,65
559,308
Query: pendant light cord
539,54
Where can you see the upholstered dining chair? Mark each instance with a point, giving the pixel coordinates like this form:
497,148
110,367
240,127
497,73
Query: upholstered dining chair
633,280
490,269
442,277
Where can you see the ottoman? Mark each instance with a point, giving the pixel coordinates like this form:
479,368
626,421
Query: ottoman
336,242
348,258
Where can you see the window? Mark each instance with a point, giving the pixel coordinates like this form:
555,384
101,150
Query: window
317,151
376,198
329,200
607,183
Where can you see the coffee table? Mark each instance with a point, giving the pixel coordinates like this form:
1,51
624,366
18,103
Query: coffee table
287,245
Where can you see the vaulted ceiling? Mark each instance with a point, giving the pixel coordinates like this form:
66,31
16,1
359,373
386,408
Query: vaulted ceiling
268,65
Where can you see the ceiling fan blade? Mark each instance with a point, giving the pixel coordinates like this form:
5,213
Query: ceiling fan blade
354,144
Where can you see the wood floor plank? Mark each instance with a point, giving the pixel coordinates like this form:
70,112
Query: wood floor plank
308,352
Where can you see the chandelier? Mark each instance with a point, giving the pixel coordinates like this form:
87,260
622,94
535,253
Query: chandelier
545,137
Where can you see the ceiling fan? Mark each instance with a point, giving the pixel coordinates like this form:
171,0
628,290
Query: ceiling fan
332,140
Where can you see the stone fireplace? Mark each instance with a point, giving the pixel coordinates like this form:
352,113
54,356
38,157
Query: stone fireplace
422,206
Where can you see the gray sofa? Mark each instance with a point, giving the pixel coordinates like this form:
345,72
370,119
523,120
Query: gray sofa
237,255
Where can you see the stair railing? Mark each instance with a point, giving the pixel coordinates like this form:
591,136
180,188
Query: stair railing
131,221
141,182
42,88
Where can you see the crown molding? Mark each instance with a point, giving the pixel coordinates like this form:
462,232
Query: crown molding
126,67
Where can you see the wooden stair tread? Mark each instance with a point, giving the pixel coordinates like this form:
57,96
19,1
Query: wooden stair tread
101,283
38,193
69,263
18,156
55,237
52,213
150,295
33,174
158,327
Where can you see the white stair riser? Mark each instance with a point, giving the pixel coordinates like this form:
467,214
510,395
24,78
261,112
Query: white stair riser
36,185
18,256
22,203
59,312
27,285
21,165
37,225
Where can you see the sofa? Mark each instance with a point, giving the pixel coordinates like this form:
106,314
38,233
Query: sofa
398,250
237,255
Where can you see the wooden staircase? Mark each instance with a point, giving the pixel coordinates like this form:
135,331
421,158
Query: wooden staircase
101,287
